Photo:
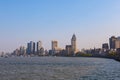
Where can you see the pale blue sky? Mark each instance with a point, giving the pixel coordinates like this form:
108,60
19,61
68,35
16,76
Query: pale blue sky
93,22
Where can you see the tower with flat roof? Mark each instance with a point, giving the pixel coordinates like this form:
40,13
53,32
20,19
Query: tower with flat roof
31,47
39,46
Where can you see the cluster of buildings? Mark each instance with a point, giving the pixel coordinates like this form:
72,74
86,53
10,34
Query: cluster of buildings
34,49
114,43
69,50
37,49
112,47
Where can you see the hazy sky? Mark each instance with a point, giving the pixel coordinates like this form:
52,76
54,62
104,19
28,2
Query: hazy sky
93,22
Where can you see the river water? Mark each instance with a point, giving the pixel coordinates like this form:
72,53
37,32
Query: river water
59,68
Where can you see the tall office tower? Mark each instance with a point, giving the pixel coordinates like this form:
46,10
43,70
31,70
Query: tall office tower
73,43
39,46
112,41
54,45
117,43
31,47
28,48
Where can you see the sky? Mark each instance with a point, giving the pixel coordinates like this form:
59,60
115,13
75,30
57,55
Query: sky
92,21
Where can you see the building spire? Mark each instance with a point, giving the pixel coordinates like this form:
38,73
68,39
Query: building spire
73,43
73,37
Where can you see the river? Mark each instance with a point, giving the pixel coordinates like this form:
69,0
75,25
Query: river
59,68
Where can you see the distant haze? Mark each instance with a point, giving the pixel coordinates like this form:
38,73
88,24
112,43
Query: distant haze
93,22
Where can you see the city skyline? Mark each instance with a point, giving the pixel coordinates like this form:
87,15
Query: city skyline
93,22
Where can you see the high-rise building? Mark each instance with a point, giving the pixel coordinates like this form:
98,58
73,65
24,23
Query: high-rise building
54,45
117,43
40,49
105,46
39,46
55,48
69,49
112,42
31,48
73,43
28,48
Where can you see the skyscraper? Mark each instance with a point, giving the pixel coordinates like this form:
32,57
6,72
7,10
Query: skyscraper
54,45
28,48
39,46
31,48
73,43
117,43
112,42
55,48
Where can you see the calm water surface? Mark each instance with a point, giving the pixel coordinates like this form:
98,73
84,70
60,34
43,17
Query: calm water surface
58,68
